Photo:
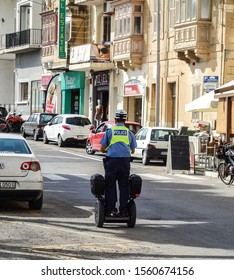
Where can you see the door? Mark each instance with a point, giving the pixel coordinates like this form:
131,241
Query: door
98,136
75,101
141,142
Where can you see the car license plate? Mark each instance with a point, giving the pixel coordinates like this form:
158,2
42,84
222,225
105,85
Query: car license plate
80,137
164,153
7,185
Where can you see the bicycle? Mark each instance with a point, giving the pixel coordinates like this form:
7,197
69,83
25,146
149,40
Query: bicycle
226,166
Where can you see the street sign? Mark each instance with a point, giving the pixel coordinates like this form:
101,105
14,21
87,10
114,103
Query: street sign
210,83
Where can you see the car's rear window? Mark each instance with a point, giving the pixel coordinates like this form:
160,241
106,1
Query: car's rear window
78,121
17,146
162,134
46,118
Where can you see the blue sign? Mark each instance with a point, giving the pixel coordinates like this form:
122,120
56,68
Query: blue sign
210,83
211,79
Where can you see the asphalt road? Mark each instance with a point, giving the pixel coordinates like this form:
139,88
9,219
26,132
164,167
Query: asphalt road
179,216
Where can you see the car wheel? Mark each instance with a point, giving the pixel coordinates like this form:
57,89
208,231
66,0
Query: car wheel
89,148
35,136
24,134
36,204
132,214
45,139
145,159
60,141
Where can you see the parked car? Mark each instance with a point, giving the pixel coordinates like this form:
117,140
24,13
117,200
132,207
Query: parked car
93,141
152,143
35,124
67,128
20,172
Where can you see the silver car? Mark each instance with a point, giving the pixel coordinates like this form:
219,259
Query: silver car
152,143
20,172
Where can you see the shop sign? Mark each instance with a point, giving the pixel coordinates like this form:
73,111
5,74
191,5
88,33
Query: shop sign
45,79
51,96
71,80
101,79
210,83
62,29
90,52
133,88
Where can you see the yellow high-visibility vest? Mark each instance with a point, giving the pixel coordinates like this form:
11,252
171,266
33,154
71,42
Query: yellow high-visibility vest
119,134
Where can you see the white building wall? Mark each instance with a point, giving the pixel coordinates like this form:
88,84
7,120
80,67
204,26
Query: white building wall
7,62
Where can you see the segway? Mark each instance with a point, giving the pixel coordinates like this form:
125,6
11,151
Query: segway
97,184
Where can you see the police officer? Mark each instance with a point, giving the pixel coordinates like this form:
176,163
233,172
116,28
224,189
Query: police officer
118,143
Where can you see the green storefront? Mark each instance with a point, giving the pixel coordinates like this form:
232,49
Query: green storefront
72,89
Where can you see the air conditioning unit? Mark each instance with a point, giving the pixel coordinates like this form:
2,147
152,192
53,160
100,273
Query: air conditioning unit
107,8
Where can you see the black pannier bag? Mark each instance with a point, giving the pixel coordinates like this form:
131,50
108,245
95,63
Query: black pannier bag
135,183
97,184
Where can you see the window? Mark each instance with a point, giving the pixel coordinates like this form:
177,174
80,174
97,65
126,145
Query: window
24,91
106,28
128,20
137,25
171,13
205,9
188,10
37,99
49,34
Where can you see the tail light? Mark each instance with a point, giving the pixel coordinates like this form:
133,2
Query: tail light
39,126
67,127
31,165
150,146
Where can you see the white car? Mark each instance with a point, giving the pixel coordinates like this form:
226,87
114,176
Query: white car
67,128
20,172
152,143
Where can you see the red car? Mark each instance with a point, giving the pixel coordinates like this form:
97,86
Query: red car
93,141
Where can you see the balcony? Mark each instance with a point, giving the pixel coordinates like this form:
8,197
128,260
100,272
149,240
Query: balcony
89,2
128,52
90,56
192,40
23,41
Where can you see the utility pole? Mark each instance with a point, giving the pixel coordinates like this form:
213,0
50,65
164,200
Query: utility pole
157,93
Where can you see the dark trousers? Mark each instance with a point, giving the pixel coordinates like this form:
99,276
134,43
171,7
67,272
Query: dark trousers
116,170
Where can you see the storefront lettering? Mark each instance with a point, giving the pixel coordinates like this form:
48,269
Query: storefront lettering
101,79
70,82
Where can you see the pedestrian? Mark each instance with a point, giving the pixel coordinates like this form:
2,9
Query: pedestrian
98,112
119,143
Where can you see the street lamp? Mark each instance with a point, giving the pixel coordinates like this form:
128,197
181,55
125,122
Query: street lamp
157,88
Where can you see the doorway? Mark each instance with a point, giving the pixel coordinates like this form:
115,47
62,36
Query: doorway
75,101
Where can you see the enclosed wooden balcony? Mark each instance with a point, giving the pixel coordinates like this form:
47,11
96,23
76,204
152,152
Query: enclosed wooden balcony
192,40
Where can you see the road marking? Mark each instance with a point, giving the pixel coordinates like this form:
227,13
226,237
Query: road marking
54,177
153,176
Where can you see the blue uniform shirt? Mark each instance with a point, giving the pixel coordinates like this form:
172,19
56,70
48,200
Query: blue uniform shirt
118,149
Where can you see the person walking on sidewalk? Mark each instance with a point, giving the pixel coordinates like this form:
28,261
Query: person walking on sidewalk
119,143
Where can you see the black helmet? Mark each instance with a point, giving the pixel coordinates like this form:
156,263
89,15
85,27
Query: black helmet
121,115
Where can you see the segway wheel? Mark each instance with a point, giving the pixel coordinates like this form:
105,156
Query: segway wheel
99,213
132,214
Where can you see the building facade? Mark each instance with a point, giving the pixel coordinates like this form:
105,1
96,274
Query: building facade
149,57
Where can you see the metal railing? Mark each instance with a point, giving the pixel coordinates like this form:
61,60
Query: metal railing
25,37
